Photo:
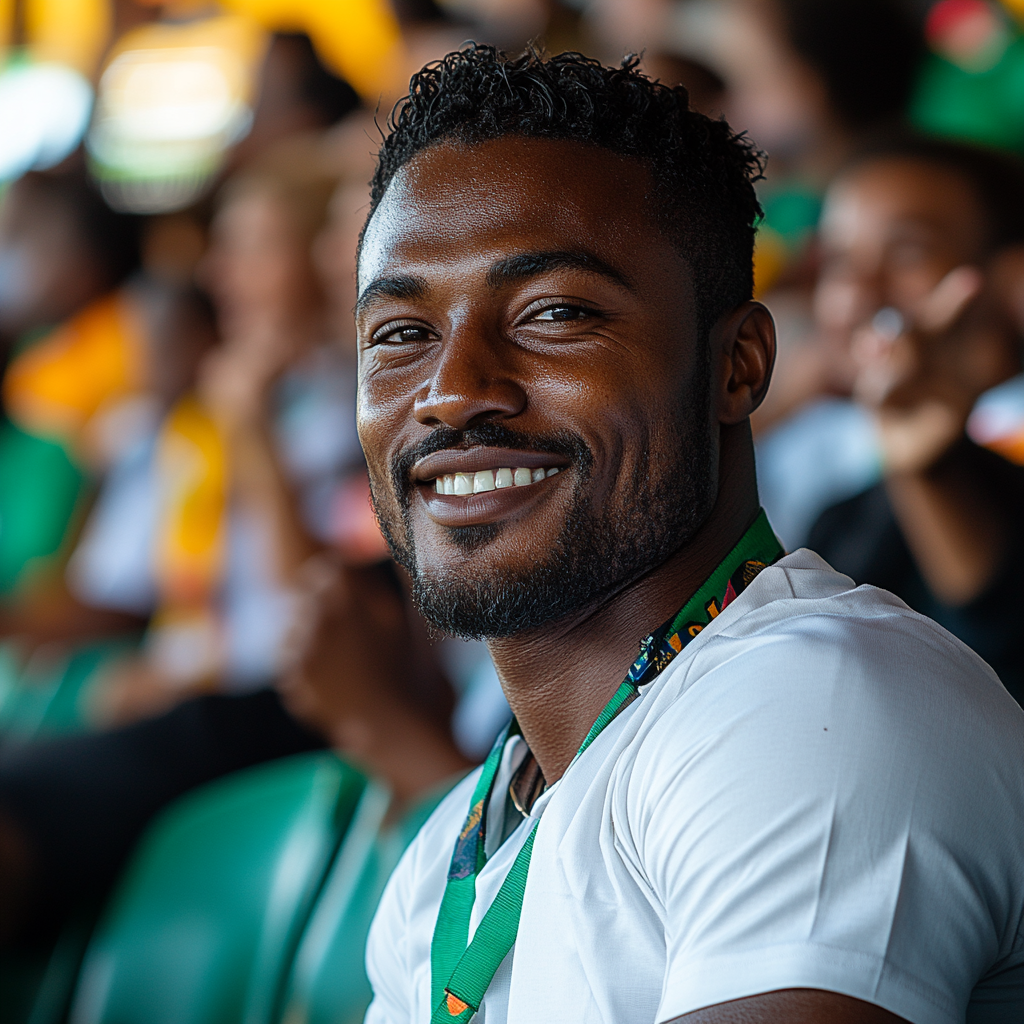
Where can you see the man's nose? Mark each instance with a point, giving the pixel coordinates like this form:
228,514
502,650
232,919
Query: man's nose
472,380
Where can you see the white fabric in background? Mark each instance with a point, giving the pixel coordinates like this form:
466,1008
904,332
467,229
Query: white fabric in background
481,713
112,565
823,790
824,453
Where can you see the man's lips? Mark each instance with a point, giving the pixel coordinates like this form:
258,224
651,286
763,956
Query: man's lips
473,460
467,487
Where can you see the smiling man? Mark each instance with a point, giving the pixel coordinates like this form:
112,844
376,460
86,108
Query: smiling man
736,789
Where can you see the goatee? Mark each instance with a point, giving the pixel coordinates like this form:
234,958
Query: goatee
599,550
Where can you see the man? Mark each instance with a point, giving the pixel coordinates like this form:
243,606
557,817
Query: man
803,802
923,250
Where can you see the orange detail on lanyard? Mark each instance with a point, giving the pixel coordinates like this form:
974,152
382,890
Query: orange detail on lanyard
456,1005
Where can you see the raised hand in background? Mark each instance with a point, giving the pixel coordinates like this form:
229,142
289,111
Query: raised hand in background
921,372
361,670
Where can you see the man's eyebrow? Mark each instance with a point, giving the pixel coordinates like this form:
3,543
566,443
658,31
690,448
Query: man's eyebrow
398,287
516,269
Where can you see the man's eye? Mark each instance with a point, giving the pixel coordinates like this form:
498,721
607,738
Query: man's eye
562,314
409,334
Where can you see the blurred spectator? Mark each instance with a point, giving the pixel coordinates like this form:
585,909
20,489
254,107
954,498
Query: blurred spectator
810,82
112,566
63,254
110,587
923,258
356,625
247,471
297,94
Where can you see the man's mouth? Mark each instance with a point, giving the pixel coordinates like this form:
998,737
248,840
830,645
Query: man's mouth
465,472
491,479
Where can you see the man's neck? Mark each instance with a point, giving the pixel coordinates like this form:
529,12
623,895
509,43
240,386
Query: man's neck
557,679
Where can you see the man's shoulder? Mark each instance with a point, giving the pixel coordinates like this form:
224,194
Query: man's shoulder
801,607
803,651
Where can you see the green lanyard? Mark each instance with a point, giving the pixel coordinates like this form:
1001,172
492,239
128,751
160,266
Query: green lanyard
461,970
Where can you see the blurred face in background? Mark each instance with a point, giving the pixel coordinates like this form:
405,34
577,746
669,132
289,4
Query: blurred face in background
180,331
334,253
770,91
891,230
47,269
259,268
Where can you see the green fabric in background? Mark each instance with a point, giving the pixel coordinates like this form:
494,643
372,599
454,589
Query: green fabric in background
40,488
985,107
203,925
792,213
327,983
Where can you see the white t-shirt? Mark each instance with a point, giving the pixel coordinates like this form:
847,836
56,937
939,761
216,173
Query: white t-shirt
823,790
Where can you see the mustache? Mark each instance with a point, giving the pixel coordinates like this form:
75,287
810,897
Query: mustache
487,435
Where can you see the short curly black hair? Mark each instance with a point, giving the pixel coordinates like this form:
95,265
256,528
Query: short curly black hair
703,172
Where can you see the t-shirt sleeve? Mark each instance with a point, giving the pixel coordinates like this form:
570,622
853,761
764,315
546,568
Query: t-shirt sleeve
835,810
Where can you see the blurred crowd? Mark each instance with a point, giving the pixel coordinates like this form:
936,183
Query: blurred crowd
191,578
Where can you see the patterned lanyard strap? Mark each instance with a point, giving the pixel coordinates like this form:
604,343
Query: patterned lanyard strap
461,970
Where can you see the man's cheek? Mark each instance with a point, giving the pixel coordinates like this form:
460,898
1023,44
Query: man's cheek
373,437
385,502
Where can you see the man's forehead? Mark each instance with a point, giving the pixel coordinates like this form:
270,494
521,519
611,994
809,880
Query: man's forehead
527,193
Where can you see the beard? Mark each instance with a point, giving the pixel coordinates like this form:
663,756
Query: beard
600,549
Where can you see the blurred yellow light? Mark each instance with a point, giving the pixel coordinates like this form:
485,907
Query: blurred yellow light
174,94
6,23
171,100
359,39
1015,7
72,32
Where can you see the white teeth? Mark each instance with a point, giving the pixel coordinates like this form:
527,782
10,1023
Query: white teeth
465,484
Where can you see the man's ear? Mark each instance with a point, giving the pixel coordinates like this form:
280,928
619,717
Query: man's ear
744,341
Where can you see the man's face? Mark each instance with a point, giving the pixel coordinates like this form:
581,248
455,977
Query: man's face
534,401
890,232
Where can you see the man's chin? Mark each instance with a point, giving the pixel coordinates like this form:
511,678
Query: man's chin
470,539
486,609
